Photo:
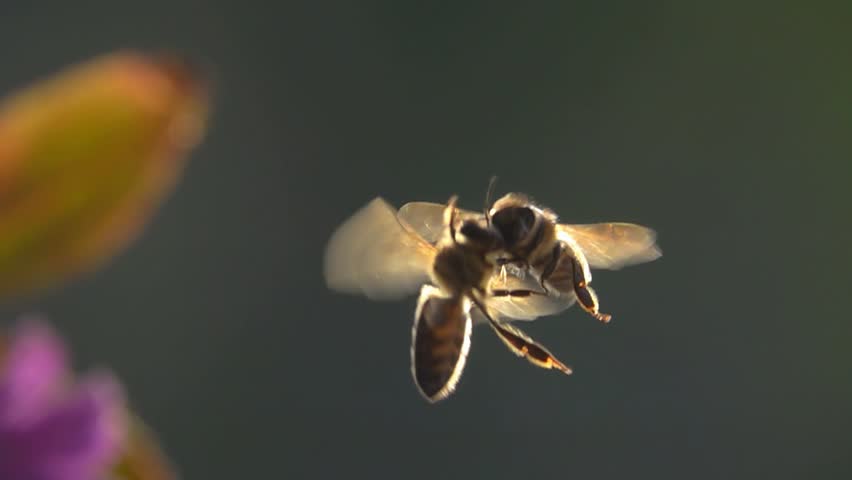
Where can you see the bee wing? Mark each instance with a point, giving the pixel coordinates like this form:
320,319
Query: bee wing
373,254
426,219
440,342
525,308
614,245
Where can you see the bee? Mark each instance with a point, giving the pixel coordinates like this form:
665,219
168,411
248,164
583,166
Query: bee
559,255
378,254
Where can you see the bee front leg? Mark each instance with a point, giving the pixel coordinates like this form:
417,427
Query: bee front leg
518,267
517,262
520,293
549,267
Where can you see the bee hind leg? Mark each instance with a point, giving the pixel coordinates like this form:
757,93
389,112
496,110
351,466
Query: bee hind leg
525,347
521,344
586,297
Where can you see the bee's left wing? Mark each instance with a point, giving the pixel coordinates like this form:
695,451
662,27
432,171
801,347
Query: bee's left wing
426,219
373,254
614,245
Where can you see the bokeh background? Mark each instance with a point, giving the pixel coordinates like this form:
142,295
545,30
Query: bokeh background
724,125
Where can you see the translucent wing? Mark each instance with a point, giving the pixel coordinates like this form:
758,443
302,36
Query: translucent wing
426,219
614,245
373,254
525,308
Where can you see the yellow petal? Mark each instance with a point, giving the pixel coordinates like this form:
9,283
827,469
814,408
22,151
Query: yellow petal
85,158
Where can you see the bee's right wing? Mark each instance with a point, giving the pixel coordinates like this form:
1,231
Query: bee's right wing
373,254
427,219
614,245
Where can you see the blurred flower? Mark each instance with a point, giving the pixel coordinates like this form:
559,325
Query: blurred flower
86,157
52,428
142,458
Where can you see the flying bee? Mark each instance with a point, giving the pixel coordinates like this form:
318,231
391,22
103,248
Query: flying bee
560,255
377,254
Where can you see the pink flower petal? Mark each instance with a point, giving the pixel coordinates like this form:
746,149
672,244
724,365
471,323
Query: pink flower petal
32,372
51,429
84,433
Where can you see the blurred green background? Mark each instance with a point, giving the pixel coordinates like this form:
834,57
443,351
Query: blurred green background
725,126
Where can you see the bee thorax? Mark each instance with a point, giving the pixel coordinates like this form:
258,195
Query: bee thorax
457,271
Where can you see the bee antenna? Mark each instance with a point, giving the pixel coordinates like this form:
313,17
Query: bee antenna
488,194
450,216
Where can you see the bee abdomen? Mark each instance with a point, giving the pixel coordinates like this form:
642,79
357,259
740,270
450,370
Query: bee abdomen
440,342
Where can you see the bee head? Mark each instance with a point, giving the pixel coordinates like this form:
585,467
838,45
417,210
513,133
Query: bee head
513,222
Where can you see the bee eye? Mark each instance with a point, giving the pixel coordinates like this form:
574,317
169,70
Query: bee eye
526,217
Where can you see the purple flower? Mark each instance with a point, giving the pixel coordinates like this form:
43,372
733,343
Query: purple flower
50,427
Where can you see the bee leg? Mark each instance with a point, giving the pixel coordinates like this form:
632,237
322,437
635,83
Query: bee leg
550,266
586,297
525,347
515,293
518,265
505,260
516,261
522,345
517,269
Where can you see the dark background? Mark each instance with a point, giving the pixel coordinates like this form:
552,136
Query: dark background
724,126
